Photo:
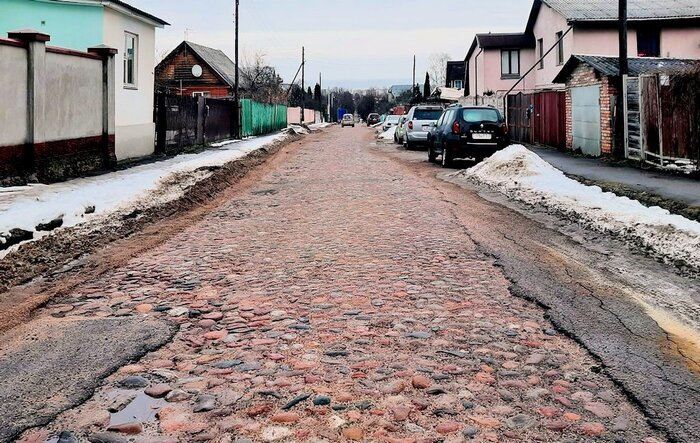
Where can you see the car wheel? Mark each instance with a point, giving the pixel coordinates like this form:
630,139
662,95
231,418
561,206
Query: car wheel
446,157
408,145
431,154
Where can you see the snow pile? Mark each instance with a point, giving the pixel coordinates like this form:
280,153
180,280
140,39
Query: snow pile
297,129
388,134
317,126
144,186
521,174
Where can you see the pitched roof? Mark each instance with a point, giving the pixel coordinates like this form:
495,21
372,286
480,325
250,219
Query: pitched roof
610,66
502,40
602,10
217,61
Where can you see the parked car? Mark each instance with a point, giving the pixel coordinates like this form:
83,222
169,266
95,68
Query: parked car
348,120
390,121
400,130
373,119
467,132
418,123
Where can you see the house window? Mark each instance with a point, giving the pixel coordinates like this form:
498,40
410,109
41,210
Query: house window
560,48
648,41
131,47
510,63
540,52
200,94
457,84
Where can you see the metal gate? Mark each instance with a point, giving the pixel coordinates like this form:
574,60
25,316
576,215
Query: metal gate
519,113
585,119
549,118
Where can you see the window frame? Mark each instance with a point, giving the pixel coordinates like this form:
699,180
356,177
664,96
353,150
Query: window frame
510,74
559,36
135,60
540,53
644,34
455,86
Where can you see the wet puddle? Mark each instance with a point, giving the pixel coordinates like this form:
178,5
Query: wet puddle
141,409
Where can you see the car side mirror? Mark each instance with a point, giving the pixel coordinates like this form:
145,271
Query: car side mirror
432,124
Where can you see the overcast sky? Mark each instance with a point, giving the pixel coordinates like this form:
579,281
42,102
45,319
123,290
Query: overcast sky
354,43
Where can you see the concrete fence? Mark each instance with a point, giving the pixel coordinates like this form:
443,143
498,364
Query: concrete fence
310,116
57,108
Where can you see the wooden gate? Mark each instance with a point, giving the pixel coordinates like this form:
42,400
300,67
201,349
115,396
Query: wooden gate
549,118
662,120
519,112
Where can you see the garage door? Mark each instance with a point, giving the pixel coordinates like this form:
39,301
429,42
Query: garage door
585,119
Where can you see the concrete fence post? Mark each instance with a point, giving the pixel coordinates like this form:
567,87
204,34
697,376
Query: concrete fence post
108,102
35,42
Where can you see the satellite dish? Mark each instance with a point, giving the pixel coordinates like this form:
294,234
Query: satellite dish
197,71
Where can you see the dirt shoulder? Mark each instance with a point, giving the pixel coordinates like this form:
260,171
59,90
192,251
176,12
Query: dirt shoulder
58,262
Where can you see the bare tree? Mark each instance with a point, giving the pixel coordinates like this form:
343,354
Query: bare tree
437,67
260,81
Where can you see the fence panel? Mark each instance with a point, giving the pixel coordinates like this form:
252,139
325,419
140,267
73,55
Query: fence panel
261,118
679,103
179,123
219,121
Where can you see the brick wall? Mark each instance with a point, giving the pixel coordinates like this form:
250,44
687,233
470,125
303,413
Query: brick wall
585,75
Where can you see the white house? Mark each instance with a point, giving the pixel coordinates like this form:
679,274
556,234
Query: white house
81,24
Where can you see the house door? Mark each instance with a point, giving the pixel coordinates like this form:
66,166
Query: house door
585,119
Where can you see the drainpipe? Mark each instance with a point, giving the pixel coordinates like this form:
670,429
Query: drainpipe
505,97
476,77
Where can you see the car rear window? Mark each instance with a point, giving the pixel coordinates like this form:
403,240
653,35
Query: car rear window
480,115
427,114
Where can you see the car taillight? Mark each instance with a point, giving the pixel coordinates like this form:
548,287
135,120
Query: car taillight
410,125
504,128
455,127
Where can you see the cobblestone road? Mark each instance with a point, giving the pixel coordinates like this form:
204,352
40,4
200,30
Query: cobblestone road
337,300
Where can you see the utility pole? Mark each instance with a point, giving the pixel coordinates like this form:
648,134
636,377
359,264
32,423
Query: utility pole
413,85
624,68
620,131
320,91
235,94
303,91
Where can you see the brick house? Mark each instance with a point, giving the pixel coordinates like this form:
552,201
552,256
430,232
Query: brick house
591,90
192,69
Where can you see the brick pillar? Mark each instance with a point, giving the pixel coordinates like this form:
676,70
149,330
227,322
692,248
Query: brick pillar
35,42
108,102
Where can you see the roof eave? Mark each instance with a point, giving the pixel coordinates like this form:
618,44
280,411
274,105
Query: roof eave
127,9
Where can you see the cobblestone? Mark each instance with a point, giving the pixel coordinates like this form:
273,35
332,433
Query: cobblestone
345,305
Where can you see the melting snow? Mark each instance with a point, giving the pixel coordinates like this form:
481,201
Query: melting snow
521,174
26,206
388,134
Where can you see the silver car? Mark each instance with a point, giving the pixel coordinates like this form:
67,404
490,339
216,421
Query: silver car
348,120
390,121
417,124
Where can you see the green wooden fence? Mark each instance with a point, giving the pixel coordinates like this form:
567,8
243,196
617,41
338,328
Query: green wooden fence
261,118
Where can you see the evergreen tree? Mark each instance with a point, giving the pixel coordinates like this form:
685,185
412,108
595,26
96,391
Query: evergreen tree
426,86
